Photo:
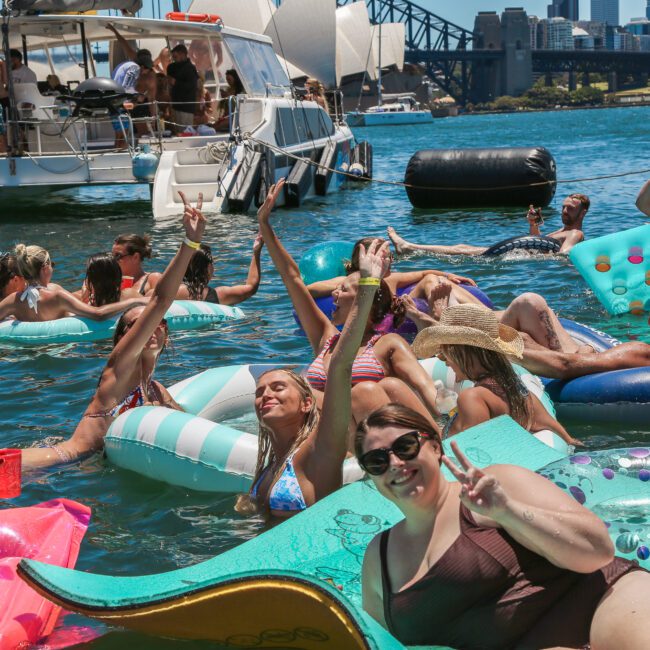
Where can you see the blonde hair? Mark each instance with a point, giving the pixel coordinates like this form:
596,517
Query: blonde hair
266,457
30,260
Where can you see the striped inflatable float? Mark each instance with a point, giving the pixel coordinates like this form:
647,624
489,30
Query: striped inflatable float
197,449
182,315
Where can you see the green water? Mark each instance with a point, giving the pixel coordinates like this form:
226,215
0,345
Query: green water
141,526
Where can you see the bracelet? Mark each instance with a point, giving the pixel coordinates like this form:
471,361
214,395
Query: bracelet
192,244
369,282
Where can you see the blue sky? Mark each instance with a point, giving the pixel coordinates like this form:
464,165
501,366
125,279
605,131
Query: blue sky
464,11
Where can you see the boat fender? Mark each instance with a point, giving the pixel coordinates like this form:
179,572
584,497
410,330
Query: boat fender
246,181
144,164
193,18
326,164
530,243
267,177
298,182
361,161
452,178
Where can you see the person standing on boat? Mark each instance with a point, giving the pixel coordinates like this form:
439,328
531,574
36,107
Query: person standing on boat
316,93
129,251
138,77
183,78
574,209
20,74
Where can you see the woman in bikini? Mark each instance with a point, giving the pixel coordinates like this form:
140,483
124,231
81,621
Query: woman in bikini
500,558
42,300
129,252
476,347
10,279
127,380
201,269
301,450
385,368
103,282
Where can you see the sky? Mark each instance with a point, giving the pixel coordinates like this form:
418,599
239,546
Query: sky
463,12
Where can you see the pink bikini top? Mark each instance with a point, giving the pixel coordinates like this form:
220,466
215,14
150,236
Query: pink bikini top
366,366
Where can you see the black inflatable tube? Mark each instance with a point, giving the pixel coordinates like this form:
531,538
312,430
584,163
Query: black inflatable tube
531,243
452,178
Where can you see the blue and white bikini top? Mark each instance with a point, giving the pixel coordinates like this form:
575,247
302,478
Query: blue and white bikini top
285,495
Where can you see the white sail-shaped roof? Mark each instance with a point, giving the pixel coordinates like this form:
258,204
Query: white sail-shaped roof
354,41
293,72
304,33
392,44
249,15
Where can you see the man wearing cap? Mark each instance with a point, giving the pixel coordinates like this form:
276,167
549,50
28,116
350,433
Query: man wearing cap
183,78
20,74
137,76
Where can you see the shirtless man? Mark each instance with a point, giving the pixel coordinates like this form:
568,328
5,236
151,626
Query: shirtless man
137,76
643,200
574,209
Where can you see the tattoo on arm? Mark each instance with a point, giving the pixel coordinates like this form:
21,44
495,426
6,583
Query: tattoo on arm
551,336
528,515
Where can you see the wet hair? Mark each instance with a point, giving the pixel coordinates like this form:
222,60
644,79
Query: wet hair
498,368
135,244
266,455
395,415
352,266
103,279
8,270
30,260
197,275
584,200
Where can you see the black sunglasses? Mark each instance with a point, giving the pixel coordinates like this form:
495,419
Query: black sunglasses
406,447
118,256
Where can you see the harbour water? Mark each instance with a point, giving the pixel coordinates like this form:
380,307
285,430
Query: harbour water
141,526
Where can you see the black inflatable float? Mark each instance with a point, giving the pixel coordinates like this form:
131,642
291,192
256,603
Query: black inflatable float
453,178
530,243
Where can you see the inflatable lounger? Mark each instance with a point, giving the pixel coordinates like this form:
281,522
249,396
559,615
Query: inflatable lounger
182,315
617,268
302,583
52,532
199,450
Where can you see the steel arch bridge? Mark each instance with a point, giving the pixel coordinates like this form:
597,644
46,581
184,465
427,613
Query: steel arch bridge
440,45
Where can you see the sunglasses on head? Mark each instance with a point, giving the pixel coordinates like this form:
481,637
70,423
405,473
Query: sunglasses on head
406,447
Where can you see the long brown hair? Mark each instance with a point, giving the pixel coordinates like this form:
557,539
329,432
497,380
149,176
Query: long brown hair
395,415
265,453
498,368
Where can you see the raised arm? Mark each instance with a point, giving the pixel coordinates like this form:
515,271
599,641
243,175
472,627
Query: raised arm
534,511
331,439
316,325
324,287
130,346
126,46
533,221
239,293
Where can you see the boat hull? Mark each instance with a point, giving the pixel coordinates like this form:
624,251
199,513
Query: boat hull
389,118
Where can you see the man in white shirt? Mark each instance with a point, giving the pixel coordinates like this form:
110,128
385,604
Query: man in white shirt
20,74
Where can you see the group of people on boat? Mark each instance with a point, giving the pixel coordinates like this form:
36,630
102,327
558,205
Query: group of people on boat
497,558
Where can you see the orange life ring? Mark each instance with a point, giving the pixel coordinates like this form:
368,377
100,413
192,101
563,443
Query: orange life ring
193,18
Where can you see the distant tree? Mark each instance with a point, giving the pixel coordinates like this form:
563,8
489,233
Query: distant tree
587,95
506,103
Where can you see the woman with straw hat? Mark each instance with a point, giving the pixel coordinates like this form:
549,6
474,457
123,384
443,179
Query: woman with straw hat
476,346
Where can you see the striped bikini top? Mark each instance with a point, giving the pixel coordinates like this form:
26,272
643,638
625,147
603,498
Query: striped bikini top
366,366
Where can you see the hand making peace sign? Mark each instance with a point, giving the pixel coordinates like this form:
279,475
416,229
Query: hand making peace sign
193,218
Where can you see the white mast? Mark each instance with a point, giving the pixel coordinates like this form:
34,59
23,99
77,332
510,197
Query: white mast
379,99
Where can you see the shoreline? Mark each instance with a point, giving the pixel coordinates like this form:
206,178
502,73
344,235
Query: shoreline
555,110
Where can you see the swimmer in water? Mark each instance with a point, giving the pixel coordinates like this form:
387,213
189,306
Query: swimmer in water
127,380
103,282
129,251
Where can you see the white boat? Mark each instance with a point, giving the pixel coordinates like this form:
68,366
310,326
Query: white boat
401,108
268,134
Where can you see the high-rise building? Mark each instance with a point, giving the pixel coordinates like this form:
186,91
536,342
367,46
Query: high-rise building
560,34
568,9
605,11
647,9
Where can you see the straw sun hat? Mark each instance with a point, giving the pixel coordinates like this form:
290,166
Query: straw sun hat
468,325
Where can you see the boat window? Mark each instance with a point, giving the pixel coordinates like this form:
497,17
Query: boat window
67,63
258,67
287,132
302,124
319,122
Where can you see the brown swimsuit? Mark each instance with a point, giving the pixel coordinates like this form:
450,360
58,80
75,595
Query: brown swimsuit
489,591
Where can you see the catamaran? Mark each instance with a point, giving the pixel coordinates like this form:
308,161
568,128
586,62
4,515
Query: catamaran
56,142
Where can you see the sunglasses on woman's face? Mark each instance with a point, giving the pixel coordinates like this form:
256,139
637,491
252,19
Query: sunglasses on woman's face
377,461
118,256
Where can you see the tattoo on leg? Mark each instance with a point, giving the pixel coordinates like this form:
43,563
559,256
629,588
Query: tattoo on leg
551,337
528,515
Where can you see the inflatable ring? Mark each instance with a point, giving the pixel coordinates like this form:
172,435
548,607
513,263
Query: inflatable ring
615,396
198,449
528,243
614,484
182,315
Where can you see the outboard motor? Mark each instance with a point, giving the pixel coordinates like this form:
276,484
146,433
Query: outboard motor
97,96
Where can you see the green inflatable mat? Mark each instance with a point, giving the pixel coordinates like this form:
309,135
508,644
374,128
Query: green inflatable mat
310,565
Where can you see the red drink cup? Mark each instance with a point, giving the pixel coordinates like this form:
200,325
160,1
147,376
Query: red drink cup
10,460
127,282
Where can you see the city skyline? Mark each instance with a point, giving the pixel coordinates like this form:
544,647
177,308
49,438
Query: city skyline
463,13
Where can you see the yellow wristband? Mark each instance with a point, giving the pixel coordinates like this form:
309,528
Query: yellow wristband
192,244
369,282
